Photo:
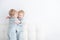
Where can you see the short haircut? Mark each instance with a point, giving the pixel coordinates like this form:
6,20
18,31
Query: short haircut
21,11
10,12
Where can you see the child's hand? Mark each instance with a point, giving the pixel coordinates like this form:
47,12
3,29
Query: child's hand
7,17
17,22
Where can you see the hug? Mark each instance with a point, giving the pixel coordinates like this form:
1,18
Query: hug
15,29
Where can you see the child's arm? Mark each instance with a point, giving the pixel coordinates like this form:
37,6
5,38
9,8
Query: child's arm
7,17
17,21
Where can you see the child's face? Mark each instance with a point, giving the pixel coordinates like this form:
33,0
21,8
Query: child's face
20,15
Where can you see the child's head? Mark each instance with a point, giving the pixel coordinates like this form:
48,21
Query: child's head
21,14
13,13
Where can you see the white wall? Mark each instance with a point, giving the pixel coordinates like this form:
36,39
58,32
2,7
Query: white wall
54,20
42,18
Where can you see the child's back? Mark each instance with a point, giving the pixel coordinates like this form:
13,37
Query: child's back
12,22
12,25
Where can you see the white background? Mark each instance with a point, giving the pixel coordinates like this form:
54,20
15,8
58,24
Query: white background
42,18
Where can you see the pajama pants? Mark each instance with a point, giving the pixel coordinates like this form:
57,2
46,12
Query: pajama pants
15,33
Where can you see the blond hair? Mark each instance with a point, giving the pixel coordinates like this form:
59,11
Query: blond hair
10,12
20,11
